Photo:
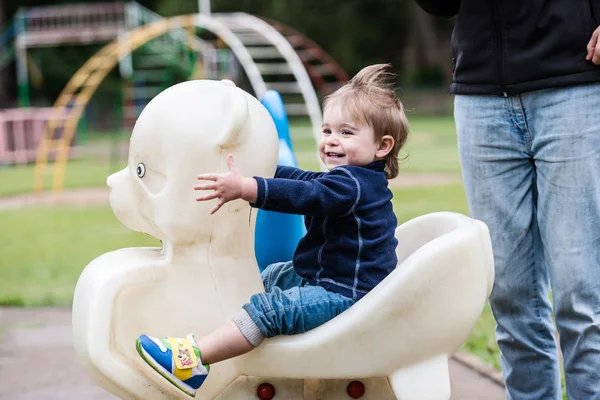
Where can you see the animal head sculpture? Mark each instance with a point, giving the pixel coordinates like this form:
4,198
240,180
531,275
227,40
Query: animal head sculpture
189,129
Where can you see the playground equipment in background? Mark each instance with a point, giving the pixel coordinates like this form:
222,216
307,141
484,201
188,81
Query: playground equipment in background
44,26
256,45
171,58
393,343
21,130
88,24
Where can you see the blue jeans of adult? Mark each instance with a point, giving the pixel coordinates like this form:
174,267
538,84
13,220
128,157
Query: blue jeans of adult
289,305
531,169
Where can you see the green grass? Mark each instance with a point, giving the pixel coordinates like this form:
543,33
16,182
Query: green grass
482,342
86,172
431,146
44,249
412,202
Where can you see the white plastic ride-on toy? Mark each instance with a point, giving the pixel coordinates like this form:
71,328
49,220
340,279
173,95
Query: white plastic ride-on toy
394,343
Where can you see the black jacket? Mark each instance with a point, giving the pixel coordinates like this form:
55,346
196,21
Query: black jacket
506,47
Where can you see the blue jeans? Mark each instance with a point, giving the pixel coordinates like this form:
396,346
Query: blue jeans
290,305
531,169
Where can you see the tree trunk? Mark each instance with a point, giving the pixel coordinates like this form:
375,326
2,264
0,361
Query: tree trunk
427,45
4,72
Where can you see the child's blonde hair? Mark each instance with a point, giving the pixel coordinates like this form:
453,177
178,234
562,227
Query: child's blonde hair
369,97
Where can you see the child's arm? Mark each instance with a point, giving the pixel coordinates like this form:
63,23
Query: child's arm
335,193
295,173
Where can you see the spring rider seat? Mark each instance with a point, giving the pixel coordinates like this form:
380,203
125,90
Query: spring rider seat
392,344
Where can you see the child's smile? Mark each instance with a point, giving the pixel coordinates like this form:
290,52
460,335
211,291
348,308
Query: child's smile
344,141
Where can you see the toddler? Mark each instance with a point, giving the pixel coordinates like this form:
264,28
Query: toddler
349,246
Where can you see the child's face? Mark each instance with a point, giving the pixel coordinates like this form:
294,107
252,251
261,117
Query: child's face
344,141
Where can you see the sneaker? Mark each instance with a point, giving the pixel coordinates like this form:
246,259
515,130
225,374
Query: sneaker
177,360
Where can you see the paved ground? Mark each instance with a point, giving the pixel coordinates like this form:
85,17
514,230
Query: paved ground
37,362
73,197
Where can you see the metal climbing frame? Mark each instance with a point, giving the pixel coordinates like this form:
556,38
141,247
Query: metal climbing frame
326,74
265,45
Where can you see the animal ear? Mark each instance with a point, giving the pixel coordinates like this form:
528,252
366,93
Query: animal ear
237,105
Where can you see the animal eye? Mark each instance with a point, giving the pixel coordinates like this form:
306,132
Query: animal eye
140,170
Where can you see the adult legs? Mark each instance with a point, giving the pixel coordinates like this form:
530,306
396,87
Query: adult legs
499,177
566,147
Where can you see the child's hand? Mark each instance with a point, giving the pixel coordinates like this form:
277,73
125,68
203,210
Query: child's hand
228,186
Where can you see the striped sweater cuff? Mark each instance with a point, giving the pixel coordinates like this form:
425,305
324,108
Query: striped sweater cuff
262,192
248,328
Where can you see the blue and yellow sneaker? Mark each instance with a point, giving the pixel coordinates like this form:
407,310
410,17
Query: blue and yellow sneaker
178,360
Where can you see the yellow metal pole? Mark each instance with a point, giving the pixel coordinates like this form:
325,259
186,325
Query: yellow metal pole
79,91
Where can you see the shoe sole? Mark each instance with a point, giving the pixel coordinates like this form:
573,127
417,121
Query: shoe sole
178,383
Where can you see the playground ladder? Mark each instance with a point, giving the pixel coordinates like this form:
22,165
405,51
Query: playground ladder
287,61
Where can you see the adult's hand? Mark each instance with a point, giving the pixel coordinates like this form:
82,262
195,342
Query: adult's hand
593,47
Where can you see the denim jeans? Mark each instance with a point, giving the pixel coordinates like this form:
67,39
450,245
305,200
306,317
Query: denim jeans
531,169
290,305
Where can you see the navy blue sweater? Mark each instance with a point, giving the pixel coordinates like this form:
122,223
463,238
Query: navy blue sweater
350,245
